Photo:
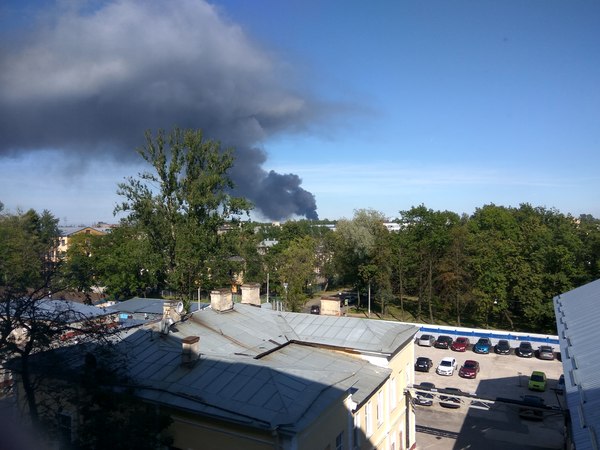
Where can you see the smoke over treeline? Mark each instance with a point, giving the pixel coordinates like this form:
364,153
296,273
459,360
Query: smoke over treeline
90,82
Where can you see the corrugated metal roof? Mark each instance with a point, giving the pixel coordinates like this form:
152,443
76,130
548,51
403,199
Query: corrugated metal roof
148,306
67,311
254,368
350,332
577,317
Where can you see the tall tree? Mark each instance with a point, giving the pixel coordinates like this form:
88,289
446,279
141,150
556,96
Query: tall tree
296,272
428,235
180,204
363,253
29,321
453,280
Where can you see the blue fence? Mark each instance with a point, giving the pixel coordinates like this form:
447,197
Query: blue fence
491,335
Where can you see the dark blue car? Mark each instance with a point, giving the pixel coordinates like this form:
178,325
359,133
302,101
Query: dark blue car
483,345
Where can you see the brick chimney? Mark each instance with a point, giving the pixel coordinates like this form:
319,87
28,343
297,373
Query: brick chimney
190,350
251,294
221,300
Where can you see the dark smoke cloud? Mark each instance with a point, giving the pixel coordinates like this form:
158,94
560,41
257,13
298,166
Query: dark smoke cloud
90,83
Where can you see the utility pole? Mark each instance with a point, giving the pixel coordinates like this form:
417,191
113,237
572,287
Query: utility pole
267,287
369,299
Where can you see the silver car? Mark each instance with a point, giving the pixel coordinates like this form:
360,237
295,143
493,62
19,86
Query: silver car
426,340
546,352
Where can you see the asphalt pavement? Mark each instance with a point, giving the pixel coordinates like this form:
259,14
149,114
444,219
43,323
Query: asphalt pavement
500,427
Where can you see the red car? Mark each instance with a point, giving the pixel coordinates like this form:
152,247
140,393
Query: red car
460,344
469,369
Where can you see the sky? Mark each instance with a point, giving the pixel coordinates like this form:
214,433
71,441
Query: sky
329,106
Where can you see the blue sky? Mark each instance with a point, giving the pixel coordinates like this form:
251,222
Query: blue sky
381,105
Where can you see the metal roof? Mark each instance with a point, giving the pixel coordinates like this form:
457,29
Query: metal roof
254,366
577,318
147,305
66,311
69,230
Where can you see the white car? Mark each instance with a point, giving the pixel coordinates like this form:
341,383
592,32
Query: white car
447,366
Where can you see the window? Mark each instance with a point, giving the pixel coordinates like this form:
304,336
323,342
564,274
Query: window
379,407
357,429
368,418
338,441
393,393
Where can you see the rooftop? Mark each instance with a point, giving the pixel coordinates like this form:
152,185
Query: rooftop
261,367
577,318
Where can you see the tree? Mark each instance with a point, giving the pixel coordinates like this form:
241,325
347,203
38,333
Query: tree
453,280
29,321
125,264
296,268
363,255
180,205
428,237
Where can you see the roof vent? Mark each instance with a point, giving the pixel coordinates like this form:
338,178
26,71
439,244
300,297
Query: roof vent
190,350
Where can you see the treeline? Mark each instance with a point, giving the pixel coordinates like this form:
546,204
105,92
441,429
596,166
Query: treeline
184,232
499,267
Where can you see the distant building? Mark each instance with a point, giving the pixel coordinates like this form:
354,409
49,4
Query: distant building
392,227
66,236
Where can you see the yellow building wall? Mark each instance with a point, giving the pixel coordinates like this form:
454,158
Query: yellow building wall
322,433
390,432
189,433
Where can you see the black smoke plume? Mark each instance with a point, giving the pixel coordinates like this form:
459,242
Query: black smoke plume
90,82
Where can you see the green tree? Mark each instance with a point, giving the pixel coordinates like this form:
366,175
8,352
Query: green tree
363,255
453,279
125,264
180,205
296,268
29,323
428,238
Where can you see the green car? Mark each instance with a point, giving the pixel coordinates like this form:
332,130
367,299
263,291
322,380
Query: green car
537,381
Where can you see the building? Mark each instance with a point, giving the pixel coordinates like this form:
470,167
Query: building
577,318
66,236
242,376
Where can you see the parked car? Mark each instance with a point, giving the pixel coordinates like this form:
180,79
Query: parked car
460,344
448,400
424,398
502,347
524,350
315,309
426,340
560,385
546,352
483,345
443,342
469,369
531,411
446,367
537,381
423,364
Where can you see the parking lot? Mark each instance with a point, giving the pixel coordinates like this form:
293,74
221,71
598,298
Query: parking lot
501,427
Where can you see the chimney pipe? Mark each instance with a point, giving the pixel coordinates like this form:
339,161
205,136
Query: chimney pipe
190,350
